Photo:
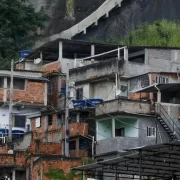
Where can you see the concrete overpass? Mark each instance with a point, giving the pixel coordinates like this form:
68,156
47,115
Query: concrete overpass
102,11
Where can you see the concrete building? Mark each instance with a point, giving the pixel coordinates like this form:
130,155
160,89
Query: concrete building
29,97
107,99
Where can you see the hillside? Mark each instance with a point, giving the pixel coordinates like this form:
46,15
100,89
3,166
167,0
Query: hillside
56,9
131,14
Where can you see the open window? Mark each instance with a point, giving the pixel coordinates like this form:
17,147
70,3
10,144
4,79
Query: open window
137,57
79,94
1,82
50,120
20,121
72,145
120,132
17,83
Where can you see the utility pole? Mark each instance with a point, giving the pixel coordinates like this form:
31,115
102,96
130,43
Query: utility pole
11,103
67,114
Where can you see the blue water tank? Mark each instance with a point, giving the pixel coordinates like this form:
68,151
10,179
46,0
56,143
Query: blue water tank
24,53
79,103
93,102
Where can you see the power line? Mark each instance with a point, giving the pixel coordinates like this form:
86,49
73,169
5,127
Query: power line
115,117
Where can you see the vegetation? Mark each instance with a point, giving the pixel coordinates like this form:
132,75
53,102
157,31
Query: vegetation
57,174
70,13
18,28
159,33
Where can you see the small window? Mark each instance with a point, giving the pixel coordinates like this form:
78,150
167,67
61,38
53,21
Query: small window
51,88
151,132
1,82
38,122
17,83
120,132
79,94
50,120
72,145
20,121
162,80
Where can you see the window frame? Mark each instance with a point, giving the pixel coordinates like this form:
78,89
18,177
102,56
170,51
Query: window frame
151,132
79,93
50,120
14,87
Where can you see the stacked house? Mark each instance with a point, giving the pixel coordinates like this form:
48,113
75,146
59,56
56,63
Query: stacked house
74,99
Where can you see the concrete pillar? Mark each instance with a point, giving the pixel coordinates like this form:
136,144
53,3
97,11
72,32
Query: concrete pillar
5,90
113,128
97,131
159,96
107,14
13,174
92,51
45,93
96,23
84,31
78,117
27,173
60,51
126,54
41,57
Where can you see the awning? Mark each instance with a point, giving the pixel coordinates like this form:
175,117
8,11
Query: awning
158,161
170,87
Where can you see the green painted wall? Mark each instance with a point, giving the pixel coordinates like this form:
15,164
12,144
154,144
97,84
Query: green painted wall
104,129
129,131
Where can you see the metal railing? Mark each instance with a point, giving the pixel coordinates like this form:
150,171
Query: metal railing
161,111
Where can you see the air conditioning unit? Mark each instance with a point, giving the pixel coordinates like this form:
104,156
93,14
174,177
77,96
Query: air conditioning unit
123,88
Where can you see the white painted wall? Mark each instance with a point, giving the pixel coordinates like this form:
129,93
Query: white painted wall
86,90
4,116
104,90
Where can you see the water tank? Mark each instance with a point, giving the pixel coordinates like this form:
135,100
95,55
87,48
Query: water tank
24,53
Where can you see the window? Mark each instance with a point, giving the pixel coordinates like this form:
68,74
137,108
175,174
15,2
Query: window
1,82
79,94
17,83
162,80
72,145
151,132
51,88
120,132
50,120
20,121
38,122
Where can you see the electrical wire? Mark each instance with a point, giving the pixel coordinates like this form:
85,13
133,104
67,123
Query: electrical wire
115,117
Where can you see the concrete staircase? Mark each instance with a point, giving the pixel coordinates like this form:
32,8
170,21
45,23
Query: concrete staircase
102,11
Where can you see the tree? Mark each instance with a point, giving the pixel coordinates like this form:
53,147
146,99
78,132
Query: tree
160,33
19,23
58,174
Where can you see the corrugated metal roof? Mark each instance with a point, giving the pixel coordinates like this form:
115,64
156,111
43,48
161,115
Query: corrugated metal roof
25,77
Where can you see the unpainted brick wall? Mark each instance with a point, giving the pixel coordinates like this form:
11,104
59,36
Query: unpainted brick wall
54,129
33,93
46,148
53,164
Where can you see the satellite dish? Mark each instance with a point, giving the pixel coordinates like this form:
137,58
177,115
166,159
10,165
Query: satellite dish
37,61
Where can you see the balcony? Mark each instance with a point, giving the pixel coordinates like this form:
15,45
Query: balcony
76,129
116,144
123,106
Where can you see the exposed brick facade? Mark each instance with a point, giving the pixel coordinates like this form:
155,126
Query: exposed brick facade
74,128
46,148
43,167
51,67
34,93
